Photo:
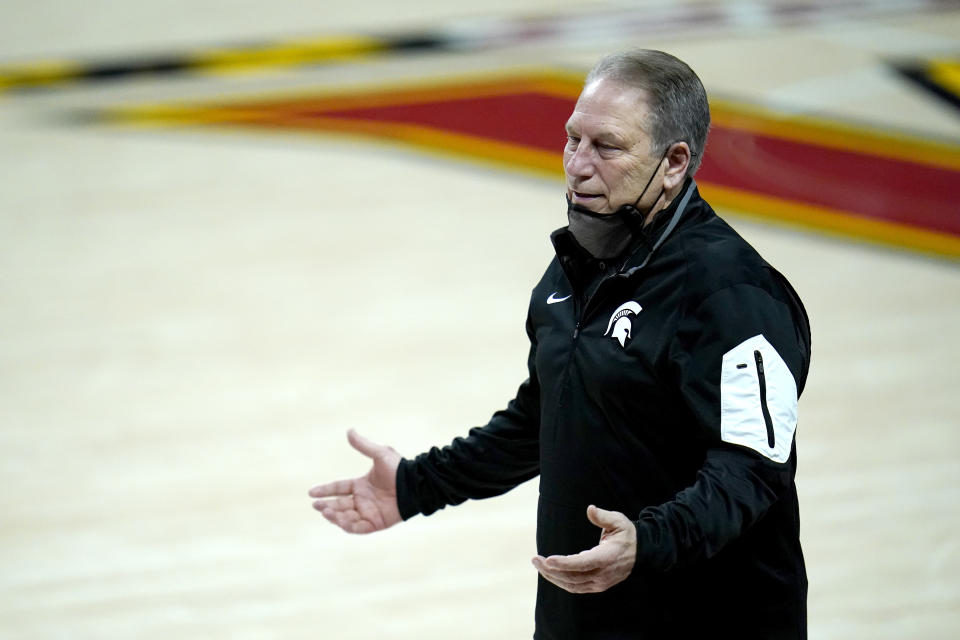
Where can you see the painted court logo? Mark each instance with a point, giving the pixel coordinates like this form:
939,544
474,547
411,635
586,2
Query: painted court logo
621,325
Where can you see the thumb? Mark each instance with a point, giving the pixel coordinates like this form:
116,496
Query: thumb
602,518
367,447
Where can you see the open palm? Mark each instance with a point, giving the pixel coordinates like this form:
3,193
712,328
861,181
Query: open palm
368,503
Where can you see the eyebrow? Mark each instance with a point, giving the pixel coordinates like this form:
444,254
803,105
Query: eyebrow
611,139
605,137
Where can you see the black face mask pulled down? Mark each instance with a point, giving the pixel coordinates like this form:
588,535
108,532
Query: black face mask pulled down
607,235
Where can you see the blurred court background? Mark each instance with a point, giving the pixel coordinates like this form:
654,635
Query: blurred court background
226,237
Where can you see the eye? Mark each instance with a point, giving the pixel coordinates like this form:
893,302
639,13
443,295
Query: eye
572,141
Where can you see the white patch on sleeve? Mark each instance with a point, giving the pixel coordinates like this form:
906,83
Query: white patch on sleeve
742,419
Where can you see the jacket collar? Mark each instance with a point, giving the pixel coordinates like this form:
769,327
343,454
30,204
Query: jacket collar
663,224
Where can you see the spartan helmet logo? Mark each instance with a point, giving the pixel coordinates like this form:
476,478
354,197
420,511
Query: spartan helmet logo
620,325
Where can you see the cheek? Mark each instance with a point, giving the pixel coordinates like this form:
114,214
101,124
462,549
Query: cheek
637,178
613,177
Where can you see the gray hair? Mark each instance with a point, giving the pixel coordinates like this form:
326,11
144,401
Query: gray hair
677,100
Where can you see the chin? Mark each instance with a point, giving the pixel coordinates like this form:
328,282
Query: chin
596,205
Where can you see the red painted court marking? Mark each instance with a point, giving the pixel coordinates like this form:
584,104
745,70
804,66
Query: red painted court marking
862,184
529,119
851,182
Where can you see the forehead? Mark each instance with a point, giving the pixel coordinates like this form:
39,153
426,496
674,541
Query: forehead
608,107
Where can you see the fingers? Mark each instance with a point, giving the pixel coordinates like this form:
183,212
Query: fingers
346,487
343,512
606,520
592,574
572,581
601,567
365,446
348,520
363,504
330,489
343,503
552,566
601,517
585,561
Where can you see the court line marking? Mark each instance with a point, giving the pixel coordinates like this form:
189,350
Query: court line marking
473,34
267,110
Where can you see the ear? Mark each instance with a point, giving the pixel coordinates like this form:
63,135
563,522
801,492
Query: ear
678,161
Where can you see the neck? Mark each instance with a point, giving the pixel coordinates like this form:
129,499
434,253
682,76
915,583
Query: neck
663,201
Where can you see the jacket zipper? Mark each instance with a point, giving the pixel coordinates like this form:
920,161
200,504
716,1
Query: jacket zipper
576,316
763,398
582,312
562,398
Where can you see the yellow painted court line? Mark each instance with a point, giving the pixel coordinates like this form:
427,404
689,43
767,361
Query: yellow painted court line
218,60
178,115
946,73
399,92
286,54
371,97
39,74
833,222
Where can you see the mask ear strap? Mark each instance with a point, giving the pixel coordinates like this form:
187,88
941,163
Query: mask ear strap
632,216
652,176
629,212
670,227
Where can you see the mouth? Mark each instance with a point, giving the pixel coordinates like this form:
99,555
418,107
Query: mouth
582,198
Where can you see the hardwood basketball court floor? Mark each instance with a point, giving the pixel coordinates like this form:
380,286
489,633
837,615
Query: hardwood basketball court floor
228,235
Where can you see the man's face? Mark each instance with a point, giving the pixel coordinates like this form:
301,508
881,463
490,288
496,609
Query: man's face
608,158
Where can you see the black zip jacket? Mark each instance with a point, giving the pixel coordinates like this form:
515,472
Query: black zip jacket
665,387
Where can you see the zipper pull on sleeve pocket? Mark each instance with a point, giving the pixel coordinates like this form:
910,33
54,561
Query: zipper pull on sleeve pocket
762,378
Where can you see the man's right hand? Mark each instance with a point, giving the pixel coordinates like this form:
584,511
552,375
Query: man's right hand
367,504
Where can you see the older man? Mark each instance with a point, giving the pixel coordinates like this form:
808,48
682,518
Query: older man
665,364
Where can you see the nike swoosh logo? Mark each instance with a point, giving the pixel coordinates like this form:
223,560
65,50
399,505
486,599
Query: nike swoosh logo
554,300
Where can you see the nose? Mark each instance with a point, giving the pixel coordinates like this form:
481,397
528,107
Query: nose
579,162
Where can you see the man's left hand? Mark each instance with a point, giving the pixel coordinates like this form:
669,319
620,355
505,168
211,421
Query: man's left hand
601,567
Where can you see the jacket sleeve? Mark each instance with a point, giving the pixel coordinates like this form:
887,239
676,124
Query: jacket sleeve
739,360
488,462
